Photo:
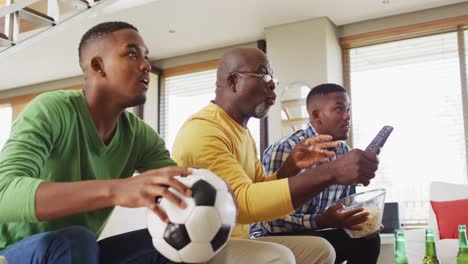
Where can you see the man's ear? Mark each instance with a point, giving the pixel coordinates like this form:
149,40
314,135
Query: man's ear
316,115
97,65
232,82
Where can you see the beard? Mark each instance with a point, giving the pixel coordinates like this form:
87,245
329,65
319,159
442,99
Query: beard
345,137
339,135
261,110
139,100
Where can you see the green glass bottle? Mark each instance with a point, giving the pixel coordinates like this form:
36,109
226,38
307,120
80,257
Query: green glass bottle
462,256
400,248
431,255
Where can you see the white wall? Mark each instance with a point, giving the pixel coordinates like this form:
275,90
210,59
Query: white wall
306,51
198,57
151,106
334,56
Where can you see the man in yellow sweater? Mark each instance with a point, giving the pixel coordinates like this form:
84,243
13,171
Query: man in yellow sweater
217,138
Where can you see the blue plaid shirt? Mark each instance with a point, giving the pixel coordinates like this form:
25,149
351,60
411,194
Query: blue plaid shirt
304,217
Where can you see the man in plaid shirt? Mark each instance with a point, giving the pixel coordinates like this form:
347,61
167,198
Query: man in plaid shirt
328,106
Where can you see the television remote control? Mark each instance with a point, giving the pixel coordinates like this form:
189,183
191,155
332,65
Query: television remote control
379,140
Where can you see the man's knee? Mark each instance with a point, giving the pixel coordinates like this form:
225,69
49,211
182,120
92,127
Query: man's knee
306,249
371,246
320,250
77,233
73,243
253,251
284,254
52,242
329,254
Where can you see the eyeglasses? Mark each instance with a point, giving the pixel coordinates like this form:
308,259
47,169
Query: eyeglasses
265,76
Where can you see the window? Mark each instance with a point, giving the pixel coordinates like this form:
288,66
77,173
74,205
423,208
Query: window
183,96
466,54
415,86
6,115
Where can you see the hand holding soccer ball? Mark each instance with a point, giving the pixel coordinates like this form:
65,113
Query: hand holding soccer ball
198,232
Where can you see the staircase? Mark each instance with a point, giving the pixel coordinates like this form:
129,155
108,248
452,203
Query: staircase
21,19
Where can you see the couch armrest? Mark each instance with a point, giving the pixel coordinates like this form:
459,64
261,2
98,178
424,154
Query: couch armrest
416,242
415,245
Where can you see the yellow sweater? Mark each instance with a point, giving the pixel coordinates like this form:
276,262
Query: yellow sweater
211,139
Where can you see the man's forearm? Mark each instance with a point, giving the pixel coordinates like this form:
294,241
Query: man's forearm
308,184
288,169
55,200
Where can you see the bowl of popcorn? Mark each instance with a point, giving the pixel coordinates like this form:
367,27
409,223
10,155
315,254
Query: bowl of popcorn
372,202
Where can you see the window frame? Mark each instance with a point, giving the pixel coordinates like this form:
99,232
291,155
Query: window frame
456,24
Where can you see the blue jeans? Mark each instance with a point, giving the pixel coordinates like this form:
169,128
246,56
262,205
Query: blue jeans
78,245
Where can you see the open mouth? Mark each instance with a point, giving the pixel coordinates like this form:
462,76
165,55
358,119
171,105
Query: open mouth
270,101
145,83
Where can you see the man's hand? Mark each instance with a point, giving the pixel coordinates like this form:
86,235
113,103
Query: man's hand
313,150
307,153
354,167
333,218
141,191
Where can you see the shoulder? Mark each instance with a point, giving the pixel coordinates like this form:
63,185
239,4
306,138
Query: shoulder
56,98
211,115
50,113
204,130
56,103
208,121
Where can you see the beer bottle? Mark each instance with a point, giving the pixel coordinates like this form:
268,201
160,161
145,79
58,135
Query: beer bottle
462,256
400,248
431,255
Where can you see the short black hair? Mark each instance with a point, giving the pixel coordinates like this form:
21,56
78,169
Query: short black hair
324,89
102,30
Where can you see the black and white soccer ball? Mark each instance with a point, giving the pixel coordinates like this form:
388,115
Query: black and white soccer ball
198,232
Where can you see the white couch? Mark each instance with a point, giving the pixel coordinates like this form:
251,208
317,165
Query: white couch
129,219
124,220
446,248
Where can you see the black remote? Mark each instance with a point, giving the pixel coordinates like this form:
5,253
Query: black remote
379,140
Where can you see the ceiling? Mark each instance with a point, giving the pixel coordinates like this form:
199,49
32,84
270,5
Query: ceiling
200,25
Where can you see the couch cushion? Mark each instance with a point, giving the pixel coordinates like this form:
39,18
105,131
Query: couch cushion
449,215
443,191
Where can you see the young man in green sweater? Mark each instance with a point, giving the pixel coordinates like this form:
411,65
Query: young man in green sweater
70,156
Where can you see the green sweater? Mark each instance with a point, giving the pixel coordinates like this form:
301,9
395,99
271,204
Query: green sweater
55,140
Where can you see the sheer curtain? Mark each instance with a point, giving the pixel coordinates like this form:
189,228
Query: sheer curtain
184,95
413,85
6,116
466,54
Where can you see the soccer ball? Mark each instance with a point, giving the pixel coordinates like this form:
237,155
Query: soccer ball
198,232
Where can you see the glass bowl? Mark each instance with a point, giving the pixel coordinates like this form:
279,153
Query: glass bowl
373,202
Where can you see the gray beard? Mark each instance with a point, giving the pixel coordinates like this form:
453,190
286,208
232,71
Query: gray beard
261,110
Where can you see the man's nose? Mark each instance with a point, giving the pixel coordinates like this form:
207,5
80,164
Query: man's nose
347,115
271,84
146,67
